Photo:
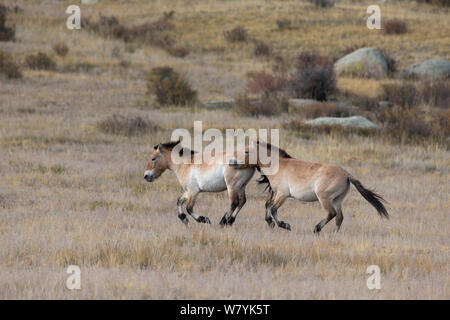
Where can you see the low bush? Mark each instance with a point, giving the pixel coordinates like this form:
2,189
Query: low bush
126,125
40,61
170,87
314,77
322,3
262,49
8,68
394,26
237,34
61,49
284,24
6,33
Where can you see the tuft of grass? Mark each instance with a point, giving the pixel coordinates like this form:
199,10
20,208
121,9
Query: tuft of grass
126,125
284,24
6,33
8,68
262,49
237,34
40,61
394,26
322,3
61,49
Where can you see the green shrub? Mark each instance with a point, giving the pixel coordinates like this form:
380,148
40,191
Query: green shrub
170,87
8,68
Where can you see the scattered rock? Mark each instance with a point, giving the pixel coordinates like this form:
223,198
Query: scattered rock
432,68
364,62
354,122
219,104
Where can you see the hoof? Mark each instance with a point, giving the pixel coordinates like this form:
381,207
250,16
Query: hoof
223,222
230,221
183,218
202,219
284,225
317,229
271,223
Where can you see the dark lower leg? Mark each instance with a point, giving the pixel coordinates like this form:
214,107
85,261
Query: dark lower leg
323,222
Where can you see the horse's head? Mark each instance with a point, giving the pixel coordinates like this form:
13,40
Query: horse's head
159,160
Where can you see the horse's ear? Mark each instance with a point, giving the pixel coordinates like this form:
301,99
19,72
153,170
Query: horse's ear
156,146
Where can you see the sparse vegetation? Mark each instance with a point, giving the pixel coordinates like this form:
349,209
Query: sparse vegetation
6,33
40,61
237,34
314,77
262,49
61,49
126,125
170,87
8,68
71,193
394,26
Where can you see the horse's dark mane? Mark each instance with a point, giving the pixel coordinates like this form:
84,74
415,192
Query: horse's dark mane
282,153
170,145
264,180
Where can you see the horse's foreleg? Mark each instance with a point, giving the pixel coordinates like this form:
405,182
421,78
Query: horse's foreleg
190,210
180,202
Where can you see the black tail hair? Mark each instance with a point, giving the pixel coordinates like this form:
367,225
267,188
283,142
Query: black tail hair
374,199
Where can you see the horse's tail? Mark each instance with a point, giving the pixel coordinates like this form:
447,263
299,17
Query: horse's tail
374,199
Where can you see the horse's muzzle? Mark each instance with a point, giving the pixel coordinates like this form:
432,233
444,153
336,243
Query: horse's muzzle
149,176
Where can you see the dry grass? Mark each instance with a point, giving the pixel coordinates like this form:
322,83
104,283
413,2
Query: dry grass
72,194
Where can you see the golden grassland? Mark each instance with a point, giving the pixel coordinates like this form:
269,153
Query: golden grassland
71,194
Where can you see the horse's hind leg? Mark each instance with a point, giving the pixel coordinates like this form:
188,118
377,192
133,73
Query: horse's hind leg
328,206
242,201
190,210
273,208
234,203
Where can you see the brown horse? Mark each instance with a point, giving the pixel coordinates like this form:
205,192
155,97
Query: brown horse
306,181
197,178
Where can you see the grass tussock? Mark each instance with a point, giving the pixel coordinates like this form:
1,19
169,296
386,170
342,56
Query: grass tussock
6,33
40,61
127,125
61,49
237,34
394,26
8,68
